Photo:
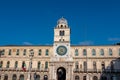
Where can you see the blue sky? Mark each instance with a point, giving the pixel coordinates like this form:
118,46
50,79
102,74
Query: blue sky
31,22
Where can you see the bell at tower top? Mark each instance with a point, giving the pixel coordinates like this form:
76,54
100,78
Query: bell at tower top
62,21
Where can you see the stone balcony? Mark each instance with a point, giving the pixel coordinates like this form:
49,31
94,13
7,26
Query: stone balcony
96,71
20,69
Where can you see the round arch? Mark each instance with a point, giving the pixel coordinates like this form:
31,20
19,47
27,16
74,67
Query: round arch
21,77
77,77
95,78
45,77
14,77
61,73
37,77
6,77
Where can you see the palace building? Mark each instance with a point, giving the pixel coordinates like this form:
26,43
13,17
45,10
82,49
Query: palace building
60,61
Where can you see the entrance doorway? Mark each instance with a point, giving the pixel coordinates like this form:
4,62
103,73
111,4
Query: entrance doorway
61,73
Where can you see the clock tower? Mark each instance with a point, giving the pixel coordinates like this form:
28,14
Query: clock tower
61,39
61,60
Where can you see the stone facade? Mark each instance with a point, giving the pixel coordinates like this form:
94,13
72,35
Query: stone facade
50,62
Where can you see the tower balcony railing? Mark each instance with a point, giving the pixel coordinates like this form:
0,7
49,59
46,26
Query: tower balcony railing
96,71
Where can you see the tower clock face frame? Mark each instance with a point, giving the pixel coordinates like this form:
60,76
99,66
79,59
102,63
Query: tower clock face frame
61,50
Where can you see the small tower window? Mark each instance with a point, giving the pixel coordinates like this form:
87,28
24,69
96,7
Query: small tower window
61,26
62,33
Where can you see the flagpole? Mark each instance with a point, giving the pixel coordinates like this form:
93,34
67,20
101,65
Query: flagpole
30,64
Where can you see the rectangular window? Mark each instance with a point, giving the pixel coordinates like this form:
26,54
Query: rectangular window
38,65
9,52
47,52
2,52
84,52
39,52
17,52
119,52
24,52
46,65
1,63
76,52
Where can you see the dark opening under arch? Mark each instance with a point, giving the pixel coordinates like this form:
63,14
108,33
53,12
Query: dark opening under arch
61,73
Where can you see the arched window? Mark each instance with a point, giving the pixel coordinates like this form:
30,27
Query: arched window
14,77
76,52
84,52
85,65
101,52
61,26
16,64
110,52
8,64
38,65
21,77
76,77
9,52
45,77
6,77
47,52
76,65
46,65
94,65
84,77
93,52
1,64
24,52
103,65
95,78
39,52
37,77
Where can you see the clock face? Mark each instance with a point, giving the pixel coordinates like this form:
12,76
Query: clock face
61,50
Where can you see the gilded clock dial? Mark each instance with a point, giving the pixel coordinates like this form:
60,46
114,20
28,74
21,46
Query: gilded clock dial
61,50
